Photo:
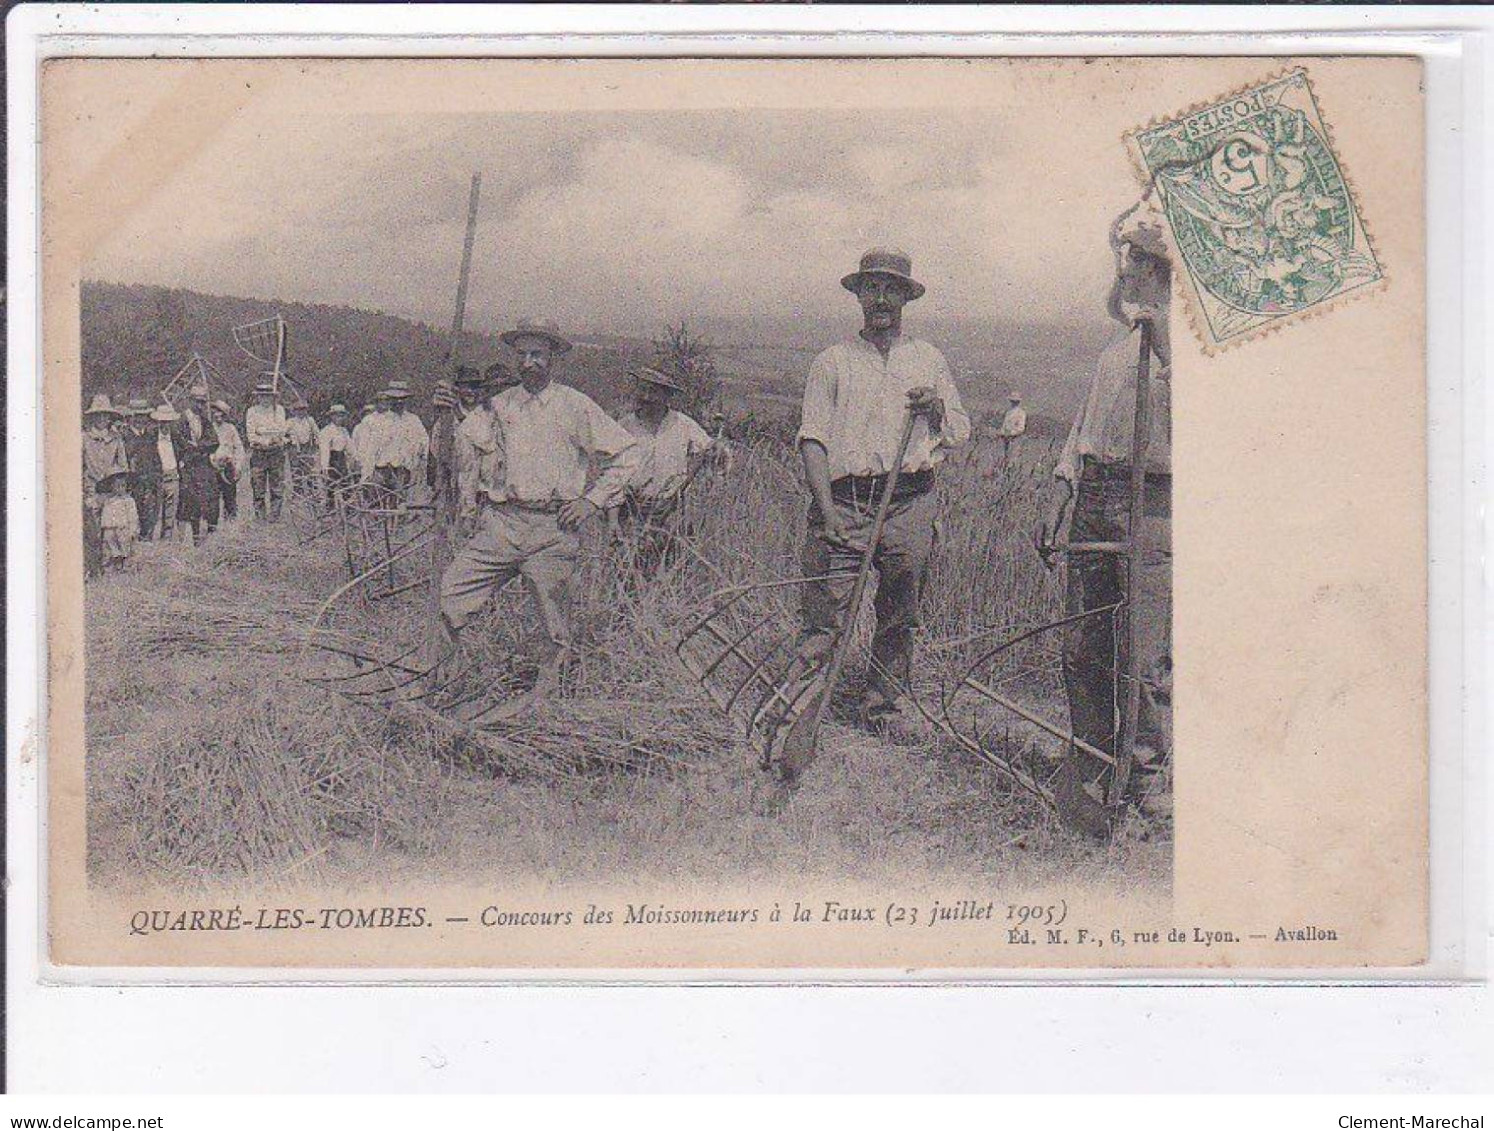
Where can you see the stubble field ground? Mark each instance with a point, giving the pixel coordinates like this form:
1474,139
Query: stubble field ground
212,761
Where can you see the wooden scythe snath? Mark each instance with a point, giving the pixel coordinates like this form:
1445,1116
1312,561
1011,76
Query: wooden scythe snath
1078,808
1125,746
1065,792
443,444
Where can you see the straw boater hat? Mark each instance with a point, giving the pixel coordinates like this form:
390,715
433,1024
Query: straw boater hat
100,406
1015,398
397,391
531,328
338,407
165,414
221,406
889,263
646,376
264,389
138,406
198,391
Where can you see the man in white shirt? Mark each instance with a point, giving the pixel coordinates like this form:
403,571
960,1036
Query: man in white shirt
334,452
669,442
365,436
165,418
265,429
400,443
1013,427
858,395
671,447
228,459
1094,476
301,434
530,512
477,443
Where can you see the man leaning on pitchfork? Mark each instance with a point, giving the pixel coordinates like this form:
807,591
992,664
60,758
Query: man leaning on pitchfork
859,394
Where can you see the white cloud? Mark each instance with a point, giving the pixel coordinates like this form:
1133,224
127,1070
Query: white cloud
609,221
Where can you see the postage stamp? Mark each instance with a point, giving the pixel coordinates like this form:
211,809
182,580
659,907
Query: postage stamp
1260,209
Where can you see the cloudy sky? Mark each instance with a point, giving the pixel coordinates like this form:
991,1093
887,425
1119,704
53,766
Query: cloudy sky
616,219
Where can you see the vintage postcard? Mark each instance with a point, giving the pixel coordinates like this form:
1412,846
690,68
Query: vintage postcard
763,515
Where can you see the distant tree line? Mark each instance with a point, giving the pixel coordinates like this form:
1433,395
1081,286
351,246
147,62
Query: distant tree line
136,337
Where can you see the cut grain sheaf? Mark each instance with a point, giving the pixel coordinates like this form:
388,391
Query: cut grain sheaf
273,779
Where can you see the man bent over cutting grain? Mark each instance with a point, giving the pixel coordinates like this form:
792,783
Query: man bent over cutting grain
858,396
532,496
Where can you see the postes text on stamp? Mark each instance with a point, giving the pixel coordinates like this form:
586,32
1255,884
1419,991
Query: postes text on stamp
1260,210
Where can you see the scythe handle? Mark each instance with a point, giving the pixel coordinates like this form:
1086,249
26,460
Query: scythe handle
863,573
444,496
1125,748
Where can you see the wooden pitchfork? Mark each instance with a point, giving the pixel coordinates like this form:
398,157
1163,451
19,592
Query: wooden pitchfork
800,745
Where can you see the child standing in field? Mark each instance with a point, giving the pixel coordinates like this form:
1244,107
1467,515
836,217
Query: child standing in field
119,519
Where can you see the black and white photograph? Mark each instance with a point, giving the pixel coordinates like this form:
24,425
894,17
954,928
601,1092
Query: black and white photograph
678,513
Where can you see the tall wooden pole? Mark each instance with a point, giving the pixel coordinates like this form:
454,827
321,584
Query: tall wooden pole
442,447
279,351
466,271
1125,748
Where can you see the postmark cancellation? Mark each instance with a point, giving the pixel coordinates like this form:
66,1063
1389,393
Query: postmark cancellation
1261,211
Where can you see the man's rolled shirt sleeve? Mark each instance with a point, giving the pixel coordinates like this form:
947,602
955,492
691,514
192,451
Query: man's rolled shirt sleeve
954,430
609,439
817,414
1068,459
697,439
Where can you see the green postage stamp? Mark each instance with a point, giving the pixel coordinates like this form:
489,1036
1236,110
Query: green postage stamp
1260,210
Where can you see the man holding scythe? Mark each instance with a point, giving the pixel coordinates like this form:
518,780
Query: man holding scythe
1094,479
859,394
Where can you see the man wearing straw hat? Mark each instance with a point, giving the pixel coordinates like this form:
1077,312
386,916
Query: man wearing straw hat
1093,477
366,435
477,443
400,443
857,398
265,429
670,448
103,455
229,458
165,419
301,436
538,497
145,466
334,451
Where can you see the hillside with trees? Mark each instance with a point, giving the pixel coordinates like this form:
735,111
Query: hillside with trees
136,337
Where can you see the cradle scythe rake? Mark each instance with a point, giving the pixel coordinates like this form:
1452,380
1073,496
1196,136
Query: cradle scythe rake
197,368
1066,794
264,341
791,699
